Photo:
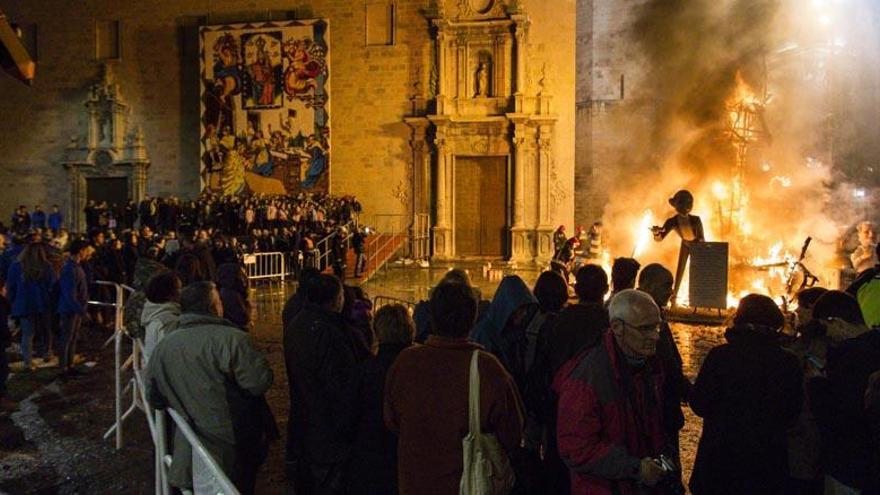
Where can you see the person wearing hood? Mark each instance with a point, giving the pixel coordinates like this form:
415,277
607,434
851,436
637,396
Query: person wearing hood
512,294
161,312
232,283
748,392
145,268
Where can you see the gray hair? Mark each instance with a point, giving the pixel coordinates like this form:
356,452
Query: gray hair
630,302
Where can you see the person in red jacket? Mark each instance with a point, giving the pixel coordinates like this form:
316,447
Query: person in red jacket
610,425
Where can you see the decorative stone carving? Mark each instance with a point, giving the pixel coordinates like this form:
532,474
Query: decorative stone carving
108,149
484,108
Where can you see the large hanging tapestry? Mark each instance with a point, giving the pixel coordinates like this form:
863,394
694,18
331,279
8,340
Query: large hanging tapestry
264,107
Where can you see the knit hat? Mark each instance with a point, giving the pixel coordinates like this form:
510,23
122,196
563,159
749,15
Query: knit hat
756,309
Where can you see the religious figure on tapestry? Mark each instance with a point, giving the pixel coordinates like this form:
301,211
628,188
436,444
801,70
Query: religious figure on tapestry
263,69
265,120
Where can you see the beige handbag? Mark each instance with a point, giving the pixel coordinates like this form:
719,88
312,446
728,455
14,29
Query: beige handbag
487,469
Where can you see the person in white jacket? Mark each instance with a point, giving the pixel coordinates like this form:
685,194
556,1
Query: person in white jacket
161,312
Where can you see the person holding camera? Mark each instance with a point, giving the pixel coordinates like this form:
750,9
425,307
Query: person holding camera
749,391
610,416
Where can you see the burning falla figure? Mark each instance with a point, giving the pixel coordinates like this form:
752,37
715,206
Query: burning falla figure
688,227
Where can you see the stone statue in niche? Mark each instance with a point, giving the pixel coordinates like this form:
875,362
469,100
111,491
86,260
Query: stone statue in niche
482,79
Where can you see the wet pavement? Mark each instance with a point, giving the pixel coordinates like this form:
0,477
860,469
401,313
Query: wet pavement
52,443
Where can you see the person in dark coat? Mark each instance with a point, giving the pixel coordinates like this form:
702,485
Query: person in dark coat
296,302
851,454
748,392
73,295
232,285
373,467
321,355
657,281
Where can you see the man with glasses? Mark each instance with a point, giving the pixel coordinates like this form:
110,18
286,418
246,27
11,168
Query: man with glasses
610,404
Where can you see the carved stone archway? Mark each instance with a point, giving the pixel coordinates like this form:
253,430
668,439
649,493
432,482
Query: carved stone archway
109,150
479,104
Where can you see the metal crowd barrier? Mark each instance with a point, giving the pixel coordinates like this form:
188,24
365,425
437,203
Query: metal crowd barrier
156,419
265,266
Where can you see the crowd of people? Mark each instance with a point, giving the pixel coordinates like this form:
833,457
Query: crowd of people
545,394
580,397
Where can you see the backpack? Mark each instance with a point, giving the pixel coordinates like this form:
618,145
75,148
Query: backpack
487,469
868,296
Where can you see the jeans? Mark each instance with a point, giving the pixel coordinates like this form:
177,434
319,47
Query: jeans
35,325
70,324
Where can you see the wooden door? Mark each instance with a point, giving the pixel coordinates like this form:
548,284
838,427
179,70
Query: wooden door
481,206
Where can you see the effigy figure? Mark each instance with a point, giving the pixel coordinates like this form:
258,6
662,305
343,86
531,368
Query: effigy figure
688,227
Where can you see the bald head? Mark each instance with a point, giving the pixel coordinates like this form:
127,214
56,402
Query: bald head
633,306
635,323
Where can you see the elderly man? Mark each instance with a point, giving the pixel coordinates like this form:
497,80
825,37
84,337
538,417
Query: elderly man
610,426
212,374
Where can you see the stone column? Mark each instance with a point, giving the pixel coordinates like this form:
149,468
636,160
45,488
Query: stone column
544,230
520,32
442,229
442,62
519,246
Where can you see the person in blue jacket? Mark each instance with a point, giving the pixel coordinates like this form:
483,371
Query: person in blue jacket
56,219
38,218
30,282
73,295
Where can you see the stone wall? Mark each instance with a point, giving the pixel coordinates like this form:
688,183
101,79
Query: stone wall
158,74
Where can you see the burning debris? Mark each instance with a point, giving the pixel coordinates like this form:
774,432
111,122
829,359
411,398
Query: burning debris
723,114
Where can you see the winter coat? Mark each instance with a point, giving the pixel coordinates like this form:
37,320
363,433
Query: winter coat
158,320
749,392
213,375
852,453
144,270
30,297
373,466
577,327
426,403
321,357
232,285
73,294
610,417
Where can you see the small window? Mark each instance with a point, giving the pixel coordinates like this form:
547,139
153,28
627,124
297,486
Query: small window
107,40
380,22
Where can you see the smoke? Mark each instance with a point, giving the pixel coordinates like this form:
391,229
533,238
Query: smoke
690,60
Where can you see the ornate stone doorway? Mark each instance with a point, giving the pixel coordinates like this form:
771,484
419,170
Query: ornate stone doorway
112,190
481,206
111,159
481,110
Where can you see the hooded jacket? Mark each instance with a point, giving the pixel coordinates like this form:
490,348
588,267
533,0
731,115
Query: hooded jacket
213,375
158,321
145,269
749,392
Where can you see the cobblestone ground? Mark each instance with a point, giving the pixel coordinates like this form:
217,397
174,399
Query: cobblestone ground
52,444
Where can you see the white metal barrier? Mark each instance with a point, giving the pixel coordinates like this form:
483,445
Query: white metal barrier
156,419
265,266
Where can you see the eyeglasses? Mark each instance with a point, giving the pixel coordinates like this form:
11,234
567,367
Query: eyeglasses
646,329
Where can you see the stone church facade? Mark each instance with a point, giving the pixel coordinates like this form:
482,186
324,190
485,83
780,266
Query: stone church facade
425,93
